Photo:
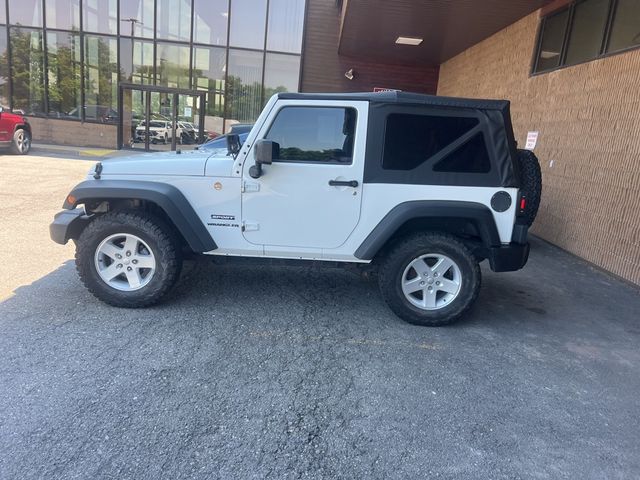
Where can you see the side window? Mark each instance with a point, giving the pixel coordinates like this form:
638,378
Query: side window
410,140
314,134
472,157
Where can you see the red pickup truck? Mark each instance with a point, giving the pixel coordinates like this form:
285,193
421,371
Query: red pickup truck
15,132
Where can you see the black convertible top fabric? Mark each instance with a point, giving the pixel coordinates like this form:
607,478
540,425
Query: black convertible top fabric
494,119
405,98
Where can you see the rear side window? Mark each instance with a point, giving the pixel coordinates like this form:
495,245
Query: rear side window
471,157
411,140
314,134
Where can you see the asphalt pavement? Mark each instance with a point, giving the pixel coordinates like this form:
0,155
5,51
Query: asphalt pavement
251,371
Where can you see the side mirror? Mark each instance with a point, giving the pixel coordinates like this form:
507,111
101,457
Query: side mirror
233,144
265,151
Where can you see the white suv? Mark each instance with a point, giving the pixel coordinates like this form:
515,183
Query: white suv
160,131
421,188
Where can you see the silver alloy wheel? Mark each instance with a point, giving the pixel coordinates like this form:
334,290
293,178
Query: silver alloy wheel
22,141
125,262
431,281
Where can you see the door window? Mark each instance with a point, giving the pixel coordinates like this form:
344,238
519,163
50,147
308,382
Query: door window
314,134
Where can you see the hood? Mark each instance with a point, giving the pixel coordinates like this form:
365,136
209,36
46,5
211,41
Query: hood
189,163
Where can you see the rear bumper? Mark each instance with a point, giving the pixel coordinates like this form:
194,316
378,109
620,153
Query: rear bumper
68,224
508,258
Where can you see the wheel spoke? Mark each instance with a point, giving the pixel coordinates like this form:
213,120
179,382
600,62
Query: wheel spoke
110,250
145,261
429,298
442,266
131,244
420,266
413,285
133,277
448,286
111,272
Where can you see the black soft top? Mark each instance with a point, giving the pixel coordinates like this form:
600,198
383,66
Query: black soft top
404,98
494,122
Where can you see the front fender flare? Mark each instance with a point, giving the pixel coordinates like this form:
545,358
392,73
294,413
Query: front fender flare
476,213
167,197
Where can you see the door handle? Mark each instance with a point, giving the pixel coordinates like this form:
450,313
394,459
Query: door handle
343,183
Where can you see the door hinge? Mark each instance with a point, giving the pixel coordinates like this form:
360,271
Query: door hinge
250,227
248,187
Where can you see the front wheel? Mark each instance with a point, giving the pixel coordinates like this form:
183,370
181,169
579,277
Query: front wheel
430,279
128,259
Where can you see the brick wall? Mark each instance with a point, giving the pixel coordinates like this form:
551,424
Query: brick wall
64,132
588,117
323,69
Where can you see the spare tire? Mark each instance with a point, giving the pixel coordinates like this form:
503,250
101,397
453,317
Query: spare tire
530,183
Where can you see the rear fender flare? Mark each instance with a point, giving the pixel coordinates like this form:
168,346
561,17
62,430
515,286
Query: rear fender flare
476,213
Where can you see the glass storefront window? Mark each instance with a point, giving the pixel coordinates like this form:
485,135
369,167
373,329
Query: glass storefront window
286,21
210,21
101,78
244,85
63,75
589,20
174,20
100,16
27,13
248,21
281,73
4,69
208,75
27,70
3,13
63,14
625,32
172,64
136,61
137,18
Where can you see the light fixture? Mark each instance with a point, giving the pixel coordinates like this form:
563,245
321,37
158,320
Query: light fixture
408,41
349,74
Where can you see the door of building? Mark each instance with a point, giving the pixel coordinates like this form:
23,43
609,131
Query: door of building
160,119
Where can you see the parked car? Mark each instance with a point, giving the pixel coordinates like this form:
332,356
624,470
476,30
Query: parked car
189,133
219,144
420,188
15,132
160,131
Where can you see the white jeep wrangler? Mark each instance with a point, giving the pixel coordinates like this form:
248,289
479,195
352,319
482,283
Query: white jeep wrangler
422,188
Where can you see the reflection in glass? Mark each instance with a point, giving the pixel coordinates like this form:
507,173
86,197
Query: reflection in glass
286,20
244,89
25,12
27,70
281,74
136,17
172,65
63,14
174,19
136,61
210,21
625,32
208,75
589,19
63,74
3,14
101,16
4,69
101,78
552,39
248,19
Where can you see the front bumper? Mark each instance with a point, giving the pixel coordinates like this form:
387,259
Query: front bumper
68,224
508,258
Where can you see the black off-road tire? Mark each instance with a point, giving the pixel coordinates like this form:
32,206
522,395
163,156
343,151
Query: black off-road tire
21,142
530,183
404,252
160,238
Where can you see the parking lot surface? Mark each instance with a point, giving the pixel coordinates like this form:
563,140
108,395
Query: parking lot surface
249,371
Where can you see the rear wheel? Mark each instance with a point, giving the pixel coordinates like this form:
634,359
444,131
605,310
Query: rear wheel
530,183
429,279
128,259
21,142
